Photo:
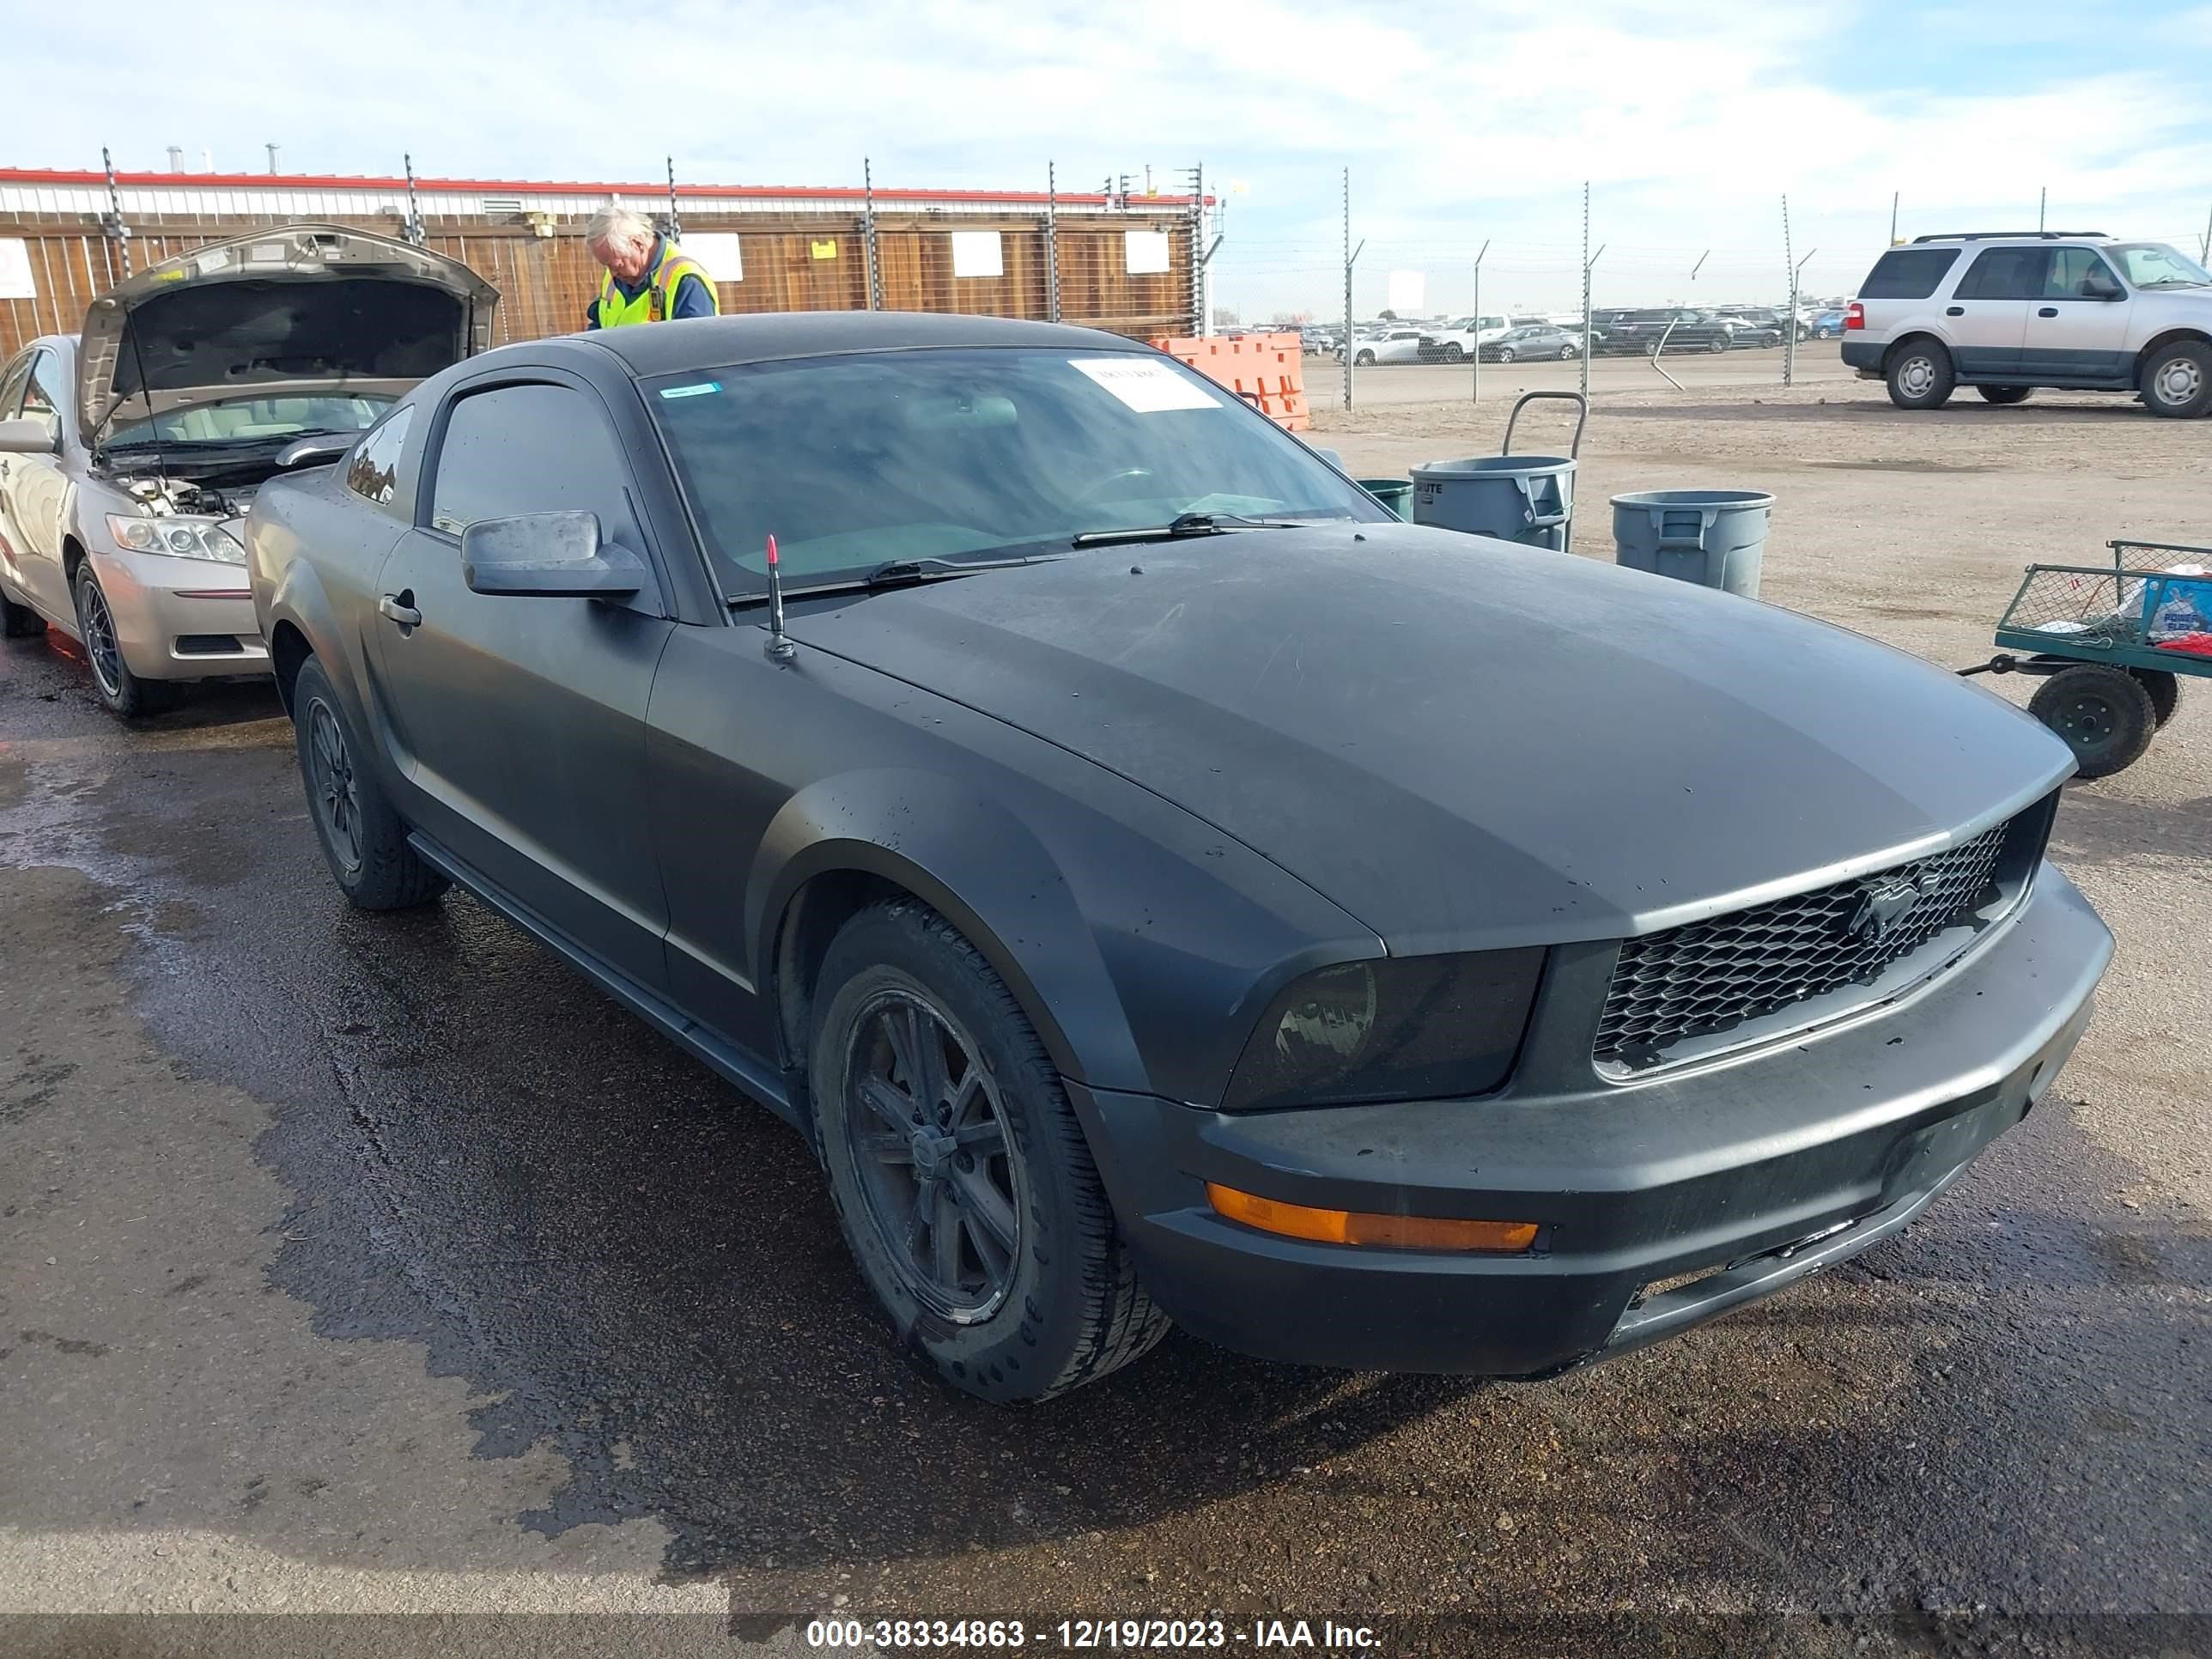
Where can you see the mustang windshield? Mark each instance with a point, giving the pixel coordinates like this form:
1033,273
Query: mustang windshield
851,462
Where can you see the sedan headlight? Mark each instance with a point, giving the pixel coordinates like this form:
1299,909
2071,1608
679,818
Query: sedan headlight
179,538
1397,1028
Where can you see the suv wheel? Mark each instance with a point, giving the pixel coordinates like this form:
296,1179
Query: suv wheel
364,841
962,1180
1921,375
2176,381
2004,394
119,690
2106,715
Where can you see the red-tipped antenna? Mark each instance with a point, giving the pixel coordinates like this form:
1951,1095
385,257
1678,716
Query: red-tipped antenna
778,646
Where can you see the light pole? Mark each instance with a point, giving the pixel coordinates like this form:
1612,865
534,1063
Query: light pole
1478,320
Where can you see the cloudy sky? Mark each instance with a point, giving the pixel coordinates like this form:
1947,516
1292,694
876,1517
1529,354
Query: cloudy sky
1458,125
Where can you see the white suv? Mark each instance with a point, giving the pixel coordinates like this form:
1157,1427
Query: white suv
2007,311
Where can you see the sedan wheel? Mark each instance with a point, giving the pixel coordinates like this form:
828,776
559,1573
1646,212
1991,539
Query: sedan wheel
1565,353
1455,352
1505,354
962,1180
118,689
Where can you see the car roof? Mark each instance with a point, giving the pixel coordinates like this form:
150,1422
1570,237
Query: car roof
670,348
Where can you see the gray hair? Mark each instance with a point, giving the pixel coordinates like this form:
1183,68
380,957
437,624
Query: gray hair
614,225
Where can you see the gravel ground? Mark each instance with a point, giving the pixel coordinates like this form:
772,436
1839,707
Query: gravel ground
357,1265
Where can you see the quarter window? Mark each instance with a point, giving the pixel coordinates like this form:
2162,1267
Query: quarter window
1908,273
374,472
529,449
2006,273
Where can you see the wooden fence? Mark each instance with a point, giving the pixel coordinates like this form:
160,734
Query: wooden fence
808,262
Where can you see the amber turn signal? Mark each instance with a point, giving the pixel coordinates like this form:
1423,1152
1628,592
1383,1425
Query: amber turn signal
1395,1232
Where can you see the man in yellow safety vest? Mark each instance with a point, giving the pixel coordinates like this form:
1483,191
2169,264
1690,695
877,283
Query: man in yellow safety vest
646,277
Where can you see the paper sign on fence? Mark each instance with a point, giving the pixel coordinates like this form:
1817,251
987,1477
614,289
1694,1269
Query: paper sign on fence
717,254
978,254
1144,251
16,271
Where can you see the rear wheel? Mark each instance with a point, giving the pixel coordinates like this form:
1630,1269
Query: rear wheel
961,1178
119,690
2004,394
2177,381
2106,715
364,841
2164,690
1921,375
19,622
1454,352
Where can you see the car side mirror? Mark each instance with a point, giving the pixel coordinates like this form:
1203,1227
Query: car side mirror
548,555
29,437
2107,289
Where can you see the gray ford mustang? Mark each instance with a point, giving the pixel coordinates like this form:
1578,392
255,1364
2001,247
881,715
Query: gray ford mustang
1159,883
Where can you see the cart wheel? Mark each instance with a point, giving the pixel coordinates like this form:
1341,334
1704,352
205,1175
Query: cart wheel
2164,690
2106,715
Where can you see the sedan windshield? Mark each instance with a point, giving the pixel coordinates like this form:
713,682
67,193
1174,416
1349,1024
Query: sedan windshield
852,462
252,420
2153,265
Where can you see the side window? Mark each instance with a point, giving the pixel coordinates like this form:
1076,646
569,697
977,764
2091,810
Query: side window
2006,273
42,397
374,472
1908,273
529,449
11,387
2074,275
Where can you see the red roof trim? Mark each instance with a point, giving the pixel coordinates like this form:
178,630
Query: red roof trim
34,176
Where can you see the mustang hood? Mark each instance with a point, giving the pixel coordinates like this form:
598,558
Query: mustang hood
295,310
1468,745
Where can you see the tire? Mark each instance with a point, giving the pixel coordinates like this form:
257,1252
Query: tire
1718,342
1024,1318
1920,375
1505,354
1566,354
118,690
2177,381
1455,352
2106,715
19,622
1364,360
2164,690
365,844
2004,396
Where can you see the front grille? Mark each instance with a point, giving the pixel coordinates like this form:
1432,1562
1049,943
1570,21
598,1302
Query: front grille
1712,976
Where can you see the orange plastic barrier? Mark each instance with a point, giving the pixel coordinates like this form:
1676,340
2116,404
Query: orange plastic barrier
1269,368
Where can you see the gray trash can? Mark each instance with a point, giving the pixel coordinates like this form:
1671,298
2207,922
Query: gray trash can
1714,537
1528,499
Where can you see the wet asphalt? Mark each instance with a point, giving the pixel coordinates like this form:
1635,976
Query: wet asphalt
342,1257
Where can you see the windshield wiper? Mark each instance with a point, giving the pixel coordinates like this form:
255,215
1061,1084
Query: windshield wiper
897,572
1185,524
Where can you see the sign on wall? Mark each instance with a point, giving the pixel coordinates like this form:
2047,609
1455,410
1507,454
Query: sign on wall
15,270
718,254
1144,252
978,254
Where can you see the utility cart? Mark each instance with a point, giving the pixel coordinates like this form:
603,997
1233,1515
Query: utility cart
2113,643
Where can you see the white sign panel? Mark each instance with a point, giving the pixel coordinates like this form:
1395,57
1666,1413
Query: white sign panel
1408,292
1147,384
978,254
718,254
15,270
1146,251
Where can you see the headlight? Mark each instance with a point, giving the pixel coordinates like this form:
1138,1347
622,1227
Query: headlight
178,538
1398,1028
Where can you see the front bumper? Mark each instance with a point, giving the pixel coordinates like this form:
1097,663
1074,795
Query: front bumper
1755,1172
181,619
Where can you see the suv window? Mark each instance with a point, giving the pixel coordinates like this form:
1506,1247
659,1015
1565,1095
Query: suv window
1908,273
2005,273
2077,273
374,472
529,449
42,398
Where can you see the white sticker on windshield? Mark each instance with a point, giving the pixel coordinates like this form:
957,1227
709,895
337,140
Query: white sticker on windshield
1146,385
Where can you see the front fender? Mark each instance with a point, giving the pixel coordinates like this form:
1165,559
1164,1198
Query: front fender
975,862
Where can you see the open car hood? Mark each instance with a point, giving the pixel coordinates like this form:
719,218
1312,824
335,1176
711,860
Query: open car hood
296,310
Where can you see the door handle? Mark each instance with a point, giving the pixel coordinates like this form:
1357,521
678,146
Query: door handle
1954,310
2048,311
397,609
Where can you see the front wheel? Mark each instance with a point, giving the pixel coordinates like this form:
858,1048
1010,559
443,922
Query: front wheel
1365,359
2004,396
364,841
1505,354
1566,354
1718,342
1921,376
1455,352
962,1180
2106,715
120,691
2176,381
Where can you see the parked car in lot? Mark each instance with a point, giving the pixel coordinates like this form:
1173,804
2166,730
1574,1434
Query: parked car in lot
1397,345
1542,340
2007,311
896,712
128,456
1458,340
1828,324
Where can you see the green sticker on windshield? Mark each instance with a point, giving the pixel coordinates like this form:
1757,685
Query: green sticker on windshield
698,391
